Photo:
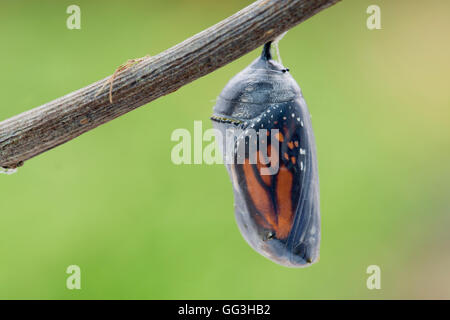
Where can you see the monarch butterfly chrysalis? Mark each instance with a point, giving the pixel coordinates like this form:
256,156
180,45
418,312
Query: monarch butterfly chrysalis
277,210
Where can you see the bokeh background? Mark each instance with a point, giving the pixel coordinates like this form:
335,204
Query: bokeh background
141,227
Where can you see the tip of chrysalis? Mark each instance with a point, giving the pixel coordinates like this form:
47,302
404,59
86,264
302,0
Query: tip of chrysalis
266,55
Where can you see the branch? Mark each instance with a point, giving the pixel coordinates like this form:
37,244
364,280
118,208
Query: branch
38,130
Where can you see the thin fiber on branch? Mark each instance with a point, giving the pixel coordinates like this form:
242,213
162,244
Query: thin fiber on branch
38,130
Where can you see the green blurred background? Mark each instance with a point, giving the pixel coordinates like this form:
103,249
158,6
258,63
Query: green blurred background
141,227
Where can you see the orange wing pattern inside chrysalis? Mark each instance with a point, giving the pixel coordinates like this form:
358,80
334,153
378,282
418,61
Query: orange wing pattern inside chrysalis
284,200
280,220
259,195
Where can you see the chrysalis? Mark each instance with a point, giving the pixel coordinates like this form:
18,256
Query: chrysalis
270,155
